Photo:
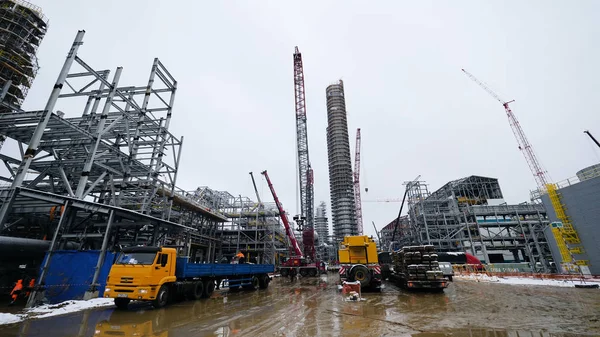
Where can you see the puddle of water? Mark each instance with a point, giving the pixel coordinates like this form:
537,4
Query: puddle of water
313,307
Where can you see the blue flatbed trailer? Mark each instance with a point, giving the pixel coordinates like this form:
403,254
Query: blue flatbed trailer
185,270
232,276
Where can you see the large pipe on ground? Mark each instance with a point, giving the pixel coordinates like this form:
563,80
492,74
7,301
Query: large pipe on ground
19,246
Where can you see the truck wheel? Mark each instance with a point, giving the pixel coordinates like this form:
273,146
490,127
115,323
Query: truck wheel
284,272
361,274
450,278
209,287
263,281
162,297
253,284
198,290
303,272
312,273
122,303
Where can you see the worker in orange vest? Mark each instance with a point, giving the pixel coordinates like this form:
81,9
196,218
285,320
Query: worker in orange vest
14,294
30,287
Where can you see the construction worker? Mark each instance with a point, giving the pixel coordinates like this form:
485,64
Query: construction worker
30,286
14,294
241,258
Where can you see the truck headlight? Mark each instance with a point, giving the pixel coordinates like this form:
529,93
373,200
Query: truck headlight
106,290
143,291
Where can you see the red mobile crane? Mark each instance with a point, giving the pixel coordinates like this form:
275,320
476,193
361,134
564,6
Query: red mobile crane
296,263
305,173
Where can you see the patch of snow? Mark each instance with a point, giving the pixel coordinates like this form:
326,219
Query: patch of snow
521,280
49,310
10,318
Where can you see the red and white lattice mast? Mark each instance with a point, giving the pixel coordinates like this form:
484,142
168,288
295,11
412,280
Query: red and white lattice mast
358,203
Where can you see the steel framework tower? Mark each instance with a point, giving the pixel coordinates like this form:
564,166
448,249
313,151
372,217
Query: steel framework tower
23,29
359,219
343,207
564,233
305,174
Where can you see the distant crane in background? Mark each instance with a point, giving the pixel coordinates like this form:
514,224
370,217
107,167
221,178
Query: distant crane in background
592,137
538,173
564,232
305,173
358,203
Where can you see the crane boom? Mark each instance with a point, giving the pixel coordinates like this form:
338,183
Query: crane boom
534,165
255,190
357,201
288,229
592,137
304,169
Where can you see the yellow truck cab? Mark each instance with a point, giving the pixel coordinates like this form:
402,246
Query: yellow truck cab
359,261
157,274
139,273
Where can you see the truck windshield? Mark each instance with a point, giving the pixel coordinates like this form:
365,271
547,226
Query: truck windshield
136,258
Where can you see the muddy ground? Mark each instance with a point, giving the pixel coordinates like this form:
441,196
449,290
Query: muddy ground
313,307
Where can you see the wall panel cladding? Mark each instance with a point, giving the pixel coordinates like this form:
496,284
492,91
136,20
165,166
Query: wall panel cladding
582,202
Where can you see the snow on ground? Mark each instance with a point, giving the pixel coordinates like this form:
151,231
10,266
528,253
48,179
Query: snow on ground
10,318
521,280
49,310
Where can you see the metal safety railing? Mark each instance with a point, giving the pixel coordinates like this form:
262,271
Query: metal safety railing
36,9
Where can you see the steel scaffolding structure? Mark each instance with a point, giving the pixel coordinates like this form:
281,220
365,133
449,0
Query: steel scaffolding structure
341,182
22,27
252,227
461,216
103,174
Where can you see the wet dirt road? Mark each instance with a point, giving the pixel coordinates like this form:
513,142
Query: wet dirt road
313,307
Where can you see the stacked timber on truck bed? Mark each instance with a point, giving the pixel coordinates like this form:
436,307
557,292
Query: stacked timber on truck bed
417,267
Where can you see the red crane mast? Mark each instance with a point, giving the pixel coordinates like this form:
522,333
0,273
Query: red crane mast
357,201
295,248
305,175
534,165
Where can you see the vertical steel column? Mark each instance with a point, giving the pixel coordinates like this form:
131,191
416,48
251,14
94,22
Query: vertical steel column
39,130
537,244
32,300
237,246
426,227
5,90
94,286
531,259
85,173
469,232
483,248
176,161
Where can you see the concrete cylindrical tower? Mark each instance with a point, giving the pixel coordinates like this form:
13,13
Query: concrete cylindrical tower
321,224
23,27
341,186
589,172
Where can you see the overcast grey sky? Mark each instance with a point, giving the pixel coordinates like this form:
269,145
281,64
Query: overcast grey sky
400,62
